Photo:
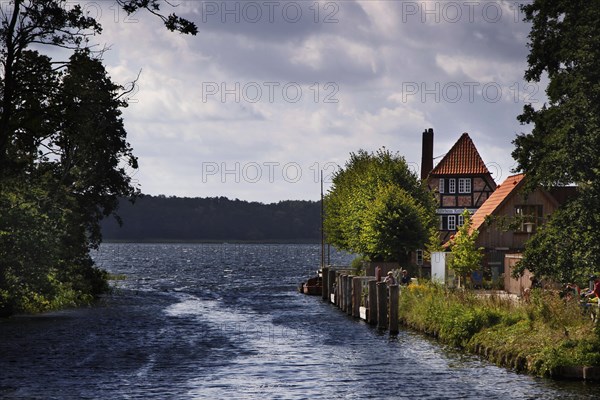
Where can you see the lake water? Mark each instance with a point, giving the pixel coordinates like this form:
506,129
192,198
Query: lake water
225,321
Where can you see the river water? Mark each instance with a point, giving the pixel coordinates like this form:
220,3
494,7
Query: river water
225,321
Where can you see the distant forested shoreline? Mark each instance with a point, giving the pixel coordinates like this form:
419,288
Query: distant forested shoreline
215,219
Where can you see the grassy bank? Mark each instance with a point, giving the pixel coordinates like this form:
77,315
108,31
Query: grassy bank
52,291
537,338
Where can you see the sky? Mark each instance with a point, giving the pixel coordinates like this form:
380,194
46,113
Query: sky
269,93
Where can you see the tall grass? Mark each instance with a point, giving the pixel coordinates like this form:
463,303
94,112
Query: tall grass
538,337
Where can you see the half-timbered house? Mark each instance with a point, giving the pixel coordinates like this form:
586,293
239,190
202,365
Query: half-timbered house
460,181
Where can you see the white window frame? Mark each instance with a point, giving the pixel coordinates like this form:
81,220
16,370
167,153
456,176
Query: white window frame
419,257
461,220
452,185
451,222
464,185
441,185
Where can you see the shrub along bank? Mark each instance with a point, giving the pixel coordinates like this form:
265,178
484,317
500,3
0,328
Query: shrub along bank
540,337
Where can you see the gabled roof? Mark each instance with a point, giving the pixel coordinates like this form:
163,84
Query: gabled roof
500,195
462,159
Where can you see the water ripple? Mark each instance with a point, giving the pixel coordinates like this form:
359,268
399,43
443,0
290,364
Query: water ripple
216,321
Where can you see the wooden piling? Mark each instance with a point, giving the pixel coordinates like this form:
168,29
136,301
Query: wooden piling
330,284
394,293
338,290
342,290
346,294
382,305
324,283
349,305
356,295
372,306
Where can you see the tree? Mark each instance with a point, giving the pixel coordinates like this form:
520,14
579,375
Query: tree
377,207
562,148
394,225
91,147
565,249
72,152
64,157
24,23
466,257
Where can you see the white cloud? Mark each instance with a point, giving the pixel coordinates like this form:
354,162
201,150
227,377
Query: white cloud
369,54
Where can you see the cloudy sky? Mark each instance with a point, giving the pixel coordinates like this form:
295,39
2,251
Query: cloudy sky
270,92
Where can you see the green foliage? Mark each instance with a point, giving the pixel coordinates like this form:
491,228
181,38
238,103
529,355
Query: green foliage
563,41
537,337
466,257
394,224
377,207
43,264
453,316
64,158
565,249
434,243
24,23
358,265
563,145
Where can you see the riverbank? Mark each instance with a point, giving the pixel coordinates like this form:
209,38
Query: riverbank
547,337
222,321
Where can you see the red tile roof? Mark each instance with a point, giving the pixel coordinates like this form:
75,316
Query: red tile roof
463,158
496,199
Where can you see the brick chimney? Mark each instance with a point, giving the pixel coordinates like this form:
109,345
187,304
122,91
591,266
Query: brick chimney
427,153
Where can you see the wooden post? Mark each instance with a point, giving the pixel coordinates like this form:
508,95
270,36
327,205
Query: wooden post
324,283
338,288
330,283
349,281
340,291
382,305
372,306
338,285
342,304
394,299
356,296
345,296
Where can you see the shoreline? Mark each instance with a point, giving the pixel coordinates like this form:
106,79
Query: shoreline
545,337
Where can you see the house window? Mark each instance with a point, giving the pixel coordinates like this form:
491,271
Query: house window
441,185
441,223
419,257
451,185
464,185
461,220
451,222
529,215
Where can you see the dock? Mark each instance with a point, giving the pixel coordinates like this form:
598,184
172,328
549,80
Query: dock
362,297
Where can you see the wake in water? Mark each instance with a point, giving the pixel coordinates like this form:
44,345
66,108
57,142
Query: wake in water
225,321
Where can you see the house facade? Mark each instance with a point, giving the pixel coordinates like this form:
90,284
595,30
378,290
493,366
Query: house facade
460,181
510,216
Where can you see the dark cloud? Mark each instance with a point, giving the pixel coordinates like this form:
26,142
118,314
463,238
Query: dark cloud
396,66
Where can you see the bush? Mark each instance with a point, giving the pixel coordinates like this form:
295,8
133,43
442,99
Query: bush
359,264
538,337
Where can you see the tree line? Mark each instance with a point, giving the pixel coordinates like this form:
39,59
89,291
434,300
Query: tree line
161,218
